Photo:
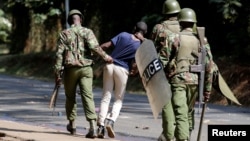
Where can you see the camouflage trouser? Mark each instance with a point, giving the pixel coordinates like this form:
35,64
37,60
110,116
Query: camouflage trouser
183,99
168,121
82,77
191,102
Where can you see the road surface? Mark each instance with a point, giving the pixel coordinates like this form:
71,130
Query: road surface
25,101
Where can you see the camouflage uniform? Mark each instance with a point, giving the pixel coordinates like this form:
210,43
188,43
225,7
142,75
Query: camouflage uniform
80,73
170,10
184,84
159,34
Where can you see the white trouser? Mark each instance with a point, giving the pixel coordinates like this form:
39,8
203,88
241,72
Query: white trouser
114,78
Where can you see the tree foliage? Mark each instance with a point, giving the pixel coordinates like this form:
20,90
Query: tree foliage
36,30
235,21
226,21
228,8
5,27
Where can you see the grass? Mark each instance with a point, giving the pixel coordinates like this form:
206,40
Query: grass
40,66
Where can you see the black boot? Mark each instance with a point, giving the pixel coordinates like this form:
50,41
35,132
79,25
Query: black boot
92,130
163,138
110,128
101,131
71,129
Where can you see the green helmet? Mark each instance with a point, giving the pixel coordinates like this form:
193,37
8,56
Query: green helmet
171,7
72,12
187,15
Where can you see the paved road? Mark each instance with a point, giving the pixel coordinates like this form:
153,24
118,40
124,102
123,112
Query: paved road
26,101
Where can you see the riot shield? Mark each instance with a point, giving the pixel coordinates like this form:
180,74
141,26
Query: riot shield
153,77
225,90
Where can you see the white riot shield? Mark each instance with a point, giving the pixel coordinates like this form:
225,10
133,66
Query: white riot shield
153,77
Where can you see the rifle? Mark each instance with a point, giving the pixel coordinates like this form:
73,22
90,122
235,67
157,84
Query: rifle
201,62
53,98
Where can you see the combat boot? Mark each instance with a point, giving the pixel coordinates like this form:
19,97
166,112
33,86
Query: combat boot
163,138
101,131
92,130
71,127
110,128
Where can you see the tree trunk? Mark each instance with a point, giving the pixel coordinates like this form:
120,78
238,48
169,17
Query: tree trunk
53,28
20,27
43,35
35,41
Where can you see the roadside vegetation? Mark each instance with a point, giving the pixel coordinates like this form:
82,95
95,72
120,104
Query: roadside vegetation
40,66
28,42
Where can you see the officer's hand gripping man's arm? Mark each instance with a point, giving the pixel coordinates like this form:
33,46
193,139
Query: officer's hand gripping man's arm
94,46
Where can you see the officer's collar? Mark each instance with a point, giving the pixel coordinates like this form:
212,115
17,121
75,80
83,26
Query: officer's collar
187,30
75,25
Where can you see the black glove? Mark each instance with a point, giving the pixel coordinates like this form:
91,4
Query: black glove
206,96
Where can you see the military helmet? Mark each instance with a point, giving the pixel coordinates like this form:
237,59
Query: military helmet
171,7
72,12
187,15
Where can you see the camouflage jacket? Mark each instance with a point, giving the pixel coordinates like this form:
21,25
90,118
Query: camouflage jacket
85,41
214,67
210,68
167,25
169,51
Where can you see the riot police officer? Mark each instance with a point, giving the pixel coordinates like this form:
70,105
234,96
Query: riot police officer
170,11
181,53
73,54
